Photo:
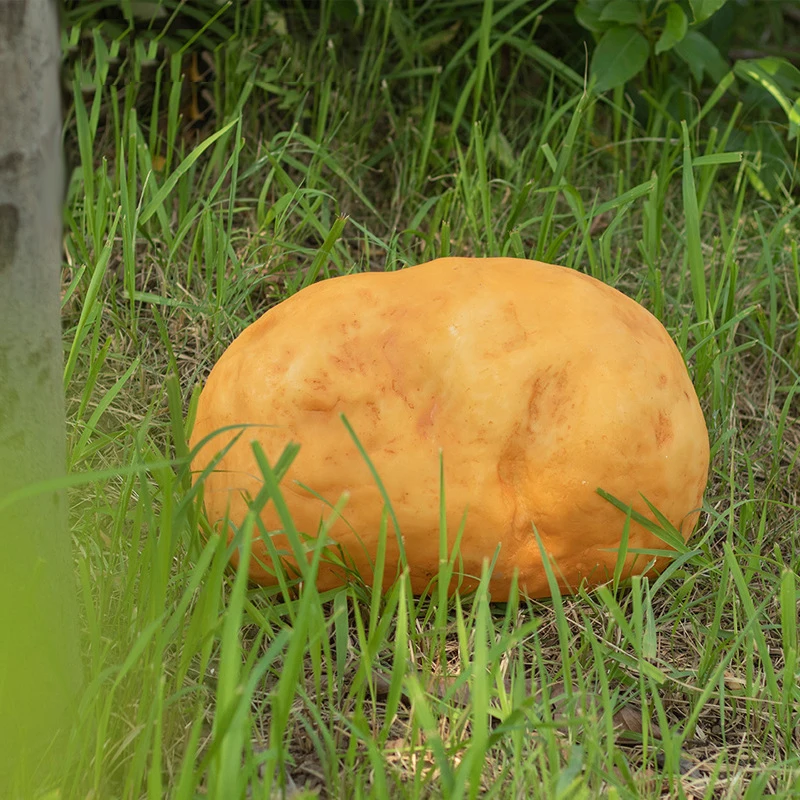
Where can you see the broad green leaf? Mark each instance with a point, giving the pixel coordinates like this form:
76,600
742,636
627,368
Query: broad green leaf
781,79
674,29
703,9
620,55
786,70
701,56
779,69
589,18
623,11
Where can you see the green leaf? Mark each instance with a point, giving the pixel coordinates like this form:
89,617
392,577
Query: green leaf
703,9
674,29
619,56
770,165
694,245
589,18
781,79
715,159
623,11
701,56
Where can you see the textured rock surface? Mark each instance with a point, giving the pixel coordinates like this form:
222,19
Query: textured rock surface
539,384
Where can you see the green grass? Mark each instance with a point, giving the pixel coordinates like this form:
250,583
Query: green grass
317,158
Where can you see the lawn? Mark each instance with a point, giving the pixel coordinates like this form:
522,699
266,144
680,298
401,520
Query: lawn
216,170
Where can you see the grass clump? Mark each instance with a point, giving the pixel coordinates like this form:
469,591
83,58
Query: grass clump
214,175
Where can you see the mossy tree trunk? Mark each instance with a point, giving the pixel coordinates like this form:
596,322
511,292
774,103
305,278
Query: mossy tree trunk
39,658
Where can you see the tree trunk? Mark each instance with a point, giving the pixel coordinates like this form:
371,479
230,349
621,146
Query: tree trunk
40,669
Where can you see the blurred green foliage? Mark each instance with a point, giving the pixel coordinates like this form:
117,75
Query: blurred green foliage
657,49
631,34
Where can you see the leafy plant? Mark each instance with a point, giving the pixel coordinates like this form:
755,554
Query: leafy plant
662,44
632,32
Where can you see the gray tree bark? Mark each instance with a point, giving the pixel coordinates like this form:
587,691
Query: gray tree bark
40,669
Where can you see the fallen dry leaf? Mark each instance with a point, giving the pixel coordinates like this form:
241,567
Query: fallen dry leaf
733,682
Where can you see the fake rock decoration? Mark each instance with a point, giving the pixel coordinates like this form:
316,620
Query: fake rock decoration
538,383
